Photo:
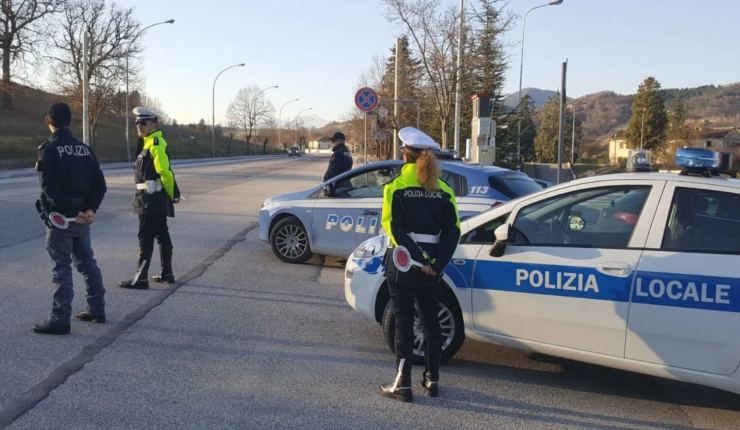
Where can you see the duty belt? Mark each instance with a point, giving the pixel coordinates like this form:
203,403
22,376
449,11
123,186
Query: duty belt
424,238
150,186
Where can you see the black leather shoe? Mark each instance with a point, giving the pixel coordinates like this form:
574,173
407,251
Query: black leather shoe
88,317
50,327
141,284
401,392
430,386
169,279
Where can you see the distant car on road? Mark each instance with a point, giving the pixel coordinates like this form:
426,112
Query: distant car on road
632,271
334,217
294,150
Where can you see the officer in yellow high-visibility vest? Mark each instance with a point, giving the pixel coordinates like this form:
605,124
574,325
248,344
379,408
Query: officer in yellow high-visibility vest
419,214
156,191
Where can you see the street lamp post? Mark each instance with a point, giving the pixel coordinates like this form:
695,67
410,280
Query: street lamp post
521,71
257,97
213,107
265,89
280,118
128,50
296,122
309,128
642,126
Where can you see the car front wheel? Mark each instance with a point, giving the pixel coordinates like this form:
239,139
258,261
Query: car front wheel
450,322
289,241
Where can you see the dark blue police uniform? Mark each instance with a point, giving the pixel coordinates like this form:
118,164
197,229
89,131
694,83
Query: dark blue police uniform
340,162
71,182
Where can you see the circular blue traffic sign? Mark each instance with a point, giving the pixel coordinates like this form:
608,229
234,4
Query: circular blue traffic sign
366,99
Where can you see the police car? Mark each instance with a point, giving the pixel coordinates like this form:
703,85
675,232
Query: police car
334,217
636,271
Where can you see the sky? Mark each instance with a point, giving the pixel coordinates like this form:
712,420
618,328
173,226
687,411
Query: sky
316,50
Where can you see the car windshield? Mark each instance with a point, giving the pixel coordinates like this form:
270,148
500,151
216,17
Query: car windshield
514,185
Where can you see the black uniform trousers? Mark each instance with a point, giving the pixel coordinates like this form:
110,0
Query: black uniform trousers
154,227
404,296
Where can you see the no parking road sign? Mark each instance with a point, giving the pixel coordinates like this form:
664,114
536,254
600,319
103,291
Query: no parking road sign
366,99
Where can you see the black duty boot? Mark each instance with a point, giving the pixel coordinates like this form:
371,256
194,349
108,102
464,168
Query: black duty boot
430,380
88,317
167,275
430,384
139,281
169,279
51,327
141,284
400,388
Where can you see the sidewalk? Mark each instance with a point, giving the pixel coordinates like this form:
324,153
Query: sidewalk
186,162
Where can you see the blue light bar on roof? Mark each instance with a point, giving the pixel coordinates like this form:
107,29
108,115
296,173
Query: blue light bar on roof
698,157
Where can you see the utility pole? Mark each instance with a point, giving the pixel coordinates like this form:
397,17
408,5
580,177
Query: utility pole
573,139
563,100
458,77
85,89
395,103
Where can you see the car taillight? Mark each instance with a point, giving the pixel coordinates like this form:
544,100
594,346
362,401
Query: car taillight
626,217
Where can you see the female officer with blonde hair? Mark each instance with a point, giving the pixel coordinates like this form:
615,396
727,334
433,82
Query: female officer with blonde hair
419,214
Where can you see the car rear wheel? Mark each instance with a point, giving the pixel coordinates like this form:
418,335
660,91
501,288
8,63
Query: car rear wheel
289,241
450,322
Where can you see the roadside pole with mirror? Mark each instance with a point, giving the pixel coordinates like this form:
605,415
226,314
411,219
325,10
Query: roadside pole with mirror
366,100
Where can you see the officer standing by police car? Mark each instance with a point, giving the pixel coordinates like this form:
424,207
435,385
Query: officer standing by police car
341,158
420,214
156,191
72,185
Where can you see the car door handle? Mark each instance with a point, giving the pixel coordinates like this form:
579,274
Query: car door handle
369,212
621,270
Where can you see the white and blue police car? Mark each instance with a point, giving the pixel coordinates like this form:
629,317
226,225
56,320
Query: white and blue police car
334,217
637,271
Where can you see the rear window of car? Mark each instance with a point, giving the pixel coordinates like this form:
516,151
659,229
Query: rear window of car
703,221
514,185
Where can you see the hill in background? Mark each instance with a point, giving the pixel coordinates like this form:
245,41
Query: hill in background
539,96
606,112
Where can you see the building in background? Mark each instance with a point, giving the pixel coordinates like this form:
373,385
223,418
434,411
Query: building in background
321,145
618,149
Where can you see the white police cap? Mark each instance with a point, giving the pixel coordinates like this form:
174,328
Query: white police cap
416,139
144,113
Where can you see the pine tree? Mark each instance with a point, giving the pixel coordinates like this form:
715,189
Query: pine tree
485,64
409,76
546,141
648,124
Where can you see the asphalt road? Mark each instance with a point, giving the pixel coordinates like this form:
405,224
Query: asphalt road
245,341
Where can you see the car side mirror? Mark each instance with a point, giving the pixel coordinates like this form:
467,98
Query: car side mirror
502,234
329,190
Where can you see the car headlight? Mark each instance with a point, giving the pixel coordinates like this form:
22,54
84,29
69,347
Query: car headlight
371,247
266,202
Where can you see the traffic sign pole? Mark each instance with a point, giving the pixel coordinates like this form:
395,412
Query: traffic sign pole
365,159
366,100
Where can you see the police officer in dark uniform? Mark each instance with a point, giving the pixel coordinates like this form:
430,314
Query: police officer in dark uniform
72,185
341,158
156,191
420,214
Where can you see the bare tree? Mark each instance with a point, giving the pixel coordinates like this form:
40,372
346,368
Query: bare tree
269,128
249,110
20,34
433,31
109,31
